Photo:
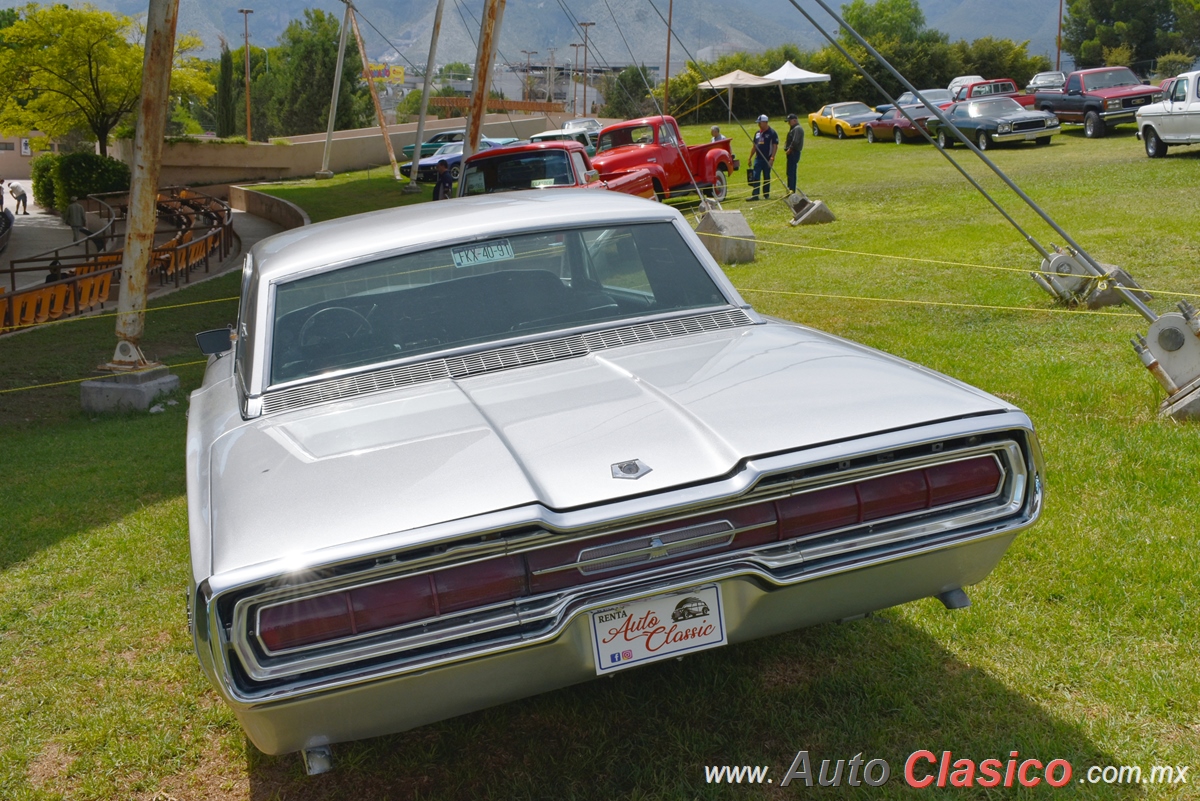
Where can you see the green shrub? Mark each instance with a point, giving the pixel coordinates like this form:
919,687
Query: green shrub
1171,64
43,179
79,174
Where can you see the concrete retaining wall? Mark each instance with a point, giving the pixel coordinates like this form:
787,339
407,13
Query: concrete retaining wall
269,207
190,163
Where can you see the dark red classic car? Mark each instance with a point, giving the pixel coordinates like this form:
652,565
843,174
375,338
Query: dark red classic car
897,127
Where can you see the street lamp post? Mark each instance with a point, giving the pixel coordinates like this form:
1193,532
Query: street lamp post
574,88
246,12
585,26
528,93
550,83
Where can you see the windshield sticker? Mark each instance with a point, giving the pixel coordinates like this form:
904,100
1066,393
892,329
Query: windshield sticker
472,255
536,182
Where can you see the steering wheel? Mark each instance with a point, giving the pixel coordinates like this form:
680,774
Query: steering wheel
337,324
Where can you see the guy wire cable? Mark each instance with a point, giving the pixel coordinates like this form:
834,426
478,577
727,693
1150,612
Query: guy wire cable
593,49
1130,298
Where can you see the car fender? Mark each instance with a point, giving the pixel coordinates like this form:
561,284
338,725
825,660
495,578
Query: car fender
713,160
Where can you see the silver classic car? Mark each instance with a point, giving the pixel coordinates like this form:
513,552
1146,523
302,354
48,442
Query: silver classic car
465,452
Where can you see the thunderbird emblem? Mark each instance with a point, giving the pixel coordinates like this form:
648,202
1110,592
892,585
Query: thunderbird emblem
633,469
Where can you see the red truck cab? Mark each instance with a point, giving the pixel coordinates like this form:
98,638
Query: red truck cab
554,164
654,144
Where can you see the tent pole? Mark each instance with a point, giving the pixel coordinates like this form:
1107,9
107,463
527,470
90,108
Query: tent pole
782,98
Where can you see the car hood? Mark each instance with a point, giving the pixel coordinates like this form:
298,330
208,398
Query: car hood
1123,91
691,409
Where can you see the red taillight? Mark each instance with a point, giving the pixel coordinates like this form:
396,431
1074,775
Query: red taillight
480,584
386,604
961,481
888,496
375,607
326,617
822,510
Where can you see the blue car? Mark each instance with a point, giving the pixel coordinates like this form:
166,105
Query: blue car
452,153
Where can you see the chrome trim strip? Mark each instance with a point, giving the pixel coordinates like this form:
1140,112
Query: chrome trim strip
770,557
654,551
488,361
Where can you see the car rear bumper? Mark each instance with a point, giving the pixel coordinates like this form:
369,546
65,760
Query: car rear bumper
755,606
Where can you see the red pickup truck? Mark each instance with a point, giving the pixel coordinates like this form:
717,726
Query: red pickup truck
655,144
1098,98
997,87
554,164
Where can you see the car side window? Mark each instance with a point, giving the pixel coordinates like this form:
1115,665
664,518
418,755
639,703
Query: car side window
1179,90
1075,84
665,135
825,111
580,167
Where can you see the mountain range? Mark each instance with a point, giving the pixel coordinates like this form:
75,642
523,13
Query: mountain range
626,31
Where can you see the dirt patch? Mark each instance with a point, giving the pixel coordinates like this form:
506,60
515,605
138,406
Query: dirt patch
220,776
49,767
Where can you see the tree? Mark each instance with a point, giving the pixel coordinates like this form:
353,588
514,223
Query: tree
302,70
455,71
901,20
226,104
1002,58
68,69
624,94
1147,27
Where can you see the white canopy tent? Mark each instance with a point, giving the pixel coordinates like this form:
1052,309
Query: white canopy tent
790,74
741,79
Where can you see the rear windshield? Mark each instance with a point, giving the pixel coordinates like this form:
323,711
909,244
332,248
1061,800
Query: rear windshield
485,291
514,171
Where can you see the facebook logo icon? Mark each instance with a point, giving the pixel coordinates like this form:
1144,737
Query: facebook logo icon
614,657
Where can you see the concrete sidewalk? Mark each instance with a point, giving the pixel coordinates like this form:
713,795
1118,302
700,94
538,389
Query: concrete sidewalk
42,231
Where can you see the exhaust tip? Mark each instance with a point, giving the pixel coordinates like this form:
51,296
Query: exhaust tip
954,599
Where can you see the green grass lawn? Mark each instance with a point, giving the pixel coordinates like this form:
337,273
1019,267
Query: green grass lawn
1082,645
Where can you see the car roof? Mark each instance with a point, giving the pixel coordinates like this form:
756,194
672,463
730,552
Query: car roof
335,243
550,144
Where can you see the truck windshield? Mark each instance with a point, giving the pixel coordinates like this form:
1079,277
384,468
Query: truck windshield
510,172
637,135
1110,78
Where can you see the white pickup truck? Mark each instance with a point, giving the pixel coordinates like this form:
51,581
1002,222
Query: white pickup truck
1173,121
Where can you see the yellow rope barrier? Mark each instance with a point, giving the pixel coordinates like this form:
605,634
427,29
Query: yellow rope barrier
91,377
1024,270
1088,314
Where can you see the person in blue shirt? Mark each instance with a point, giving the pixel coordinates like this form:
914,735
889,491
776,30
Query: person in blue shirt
766,142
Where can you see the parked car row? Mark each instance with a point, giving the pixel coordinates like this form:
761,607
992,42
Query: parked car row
995,111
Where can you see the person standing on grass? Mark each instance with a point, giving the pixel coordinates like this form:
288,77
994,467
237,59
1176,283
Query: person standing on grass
793,143
22,201
716,133
445,181
766,142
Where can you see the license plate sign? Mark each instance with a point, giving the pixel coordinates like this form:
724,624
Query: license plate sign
661,627
474,255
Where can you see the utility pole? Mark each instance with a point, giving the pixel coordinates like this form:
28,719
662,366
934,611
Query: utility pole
433,43
574,88
489,35
246,12
528,93
550,84
1058,57
667,78
585,26
143,192
362,52
325,172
